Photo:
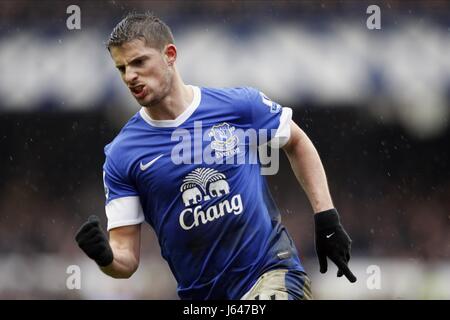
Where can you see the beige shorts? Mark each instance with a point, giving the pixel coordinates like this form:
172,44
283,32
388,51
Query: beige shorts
281,284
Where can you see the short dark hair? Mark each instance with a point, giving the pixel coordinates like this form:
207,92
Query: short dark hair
145,26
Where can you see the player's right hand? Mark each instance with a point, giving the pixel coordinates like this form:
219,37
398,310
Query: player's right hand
93,241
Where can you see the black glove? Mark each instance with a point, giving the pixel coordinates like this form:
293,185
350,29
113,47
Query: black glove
332,241
93,241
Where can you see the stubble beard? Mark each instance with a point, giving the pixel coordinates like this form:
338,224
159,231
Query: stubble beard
164,92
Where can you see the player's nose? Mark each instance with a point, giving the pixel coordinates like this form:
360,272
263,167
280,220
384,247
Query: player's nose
130,76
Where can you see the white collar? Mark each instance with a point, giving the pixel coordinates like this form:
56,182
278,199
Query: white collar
181,118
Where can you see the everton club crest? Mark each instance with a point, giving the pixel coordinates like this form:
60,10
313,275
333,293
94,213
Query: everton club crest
224,141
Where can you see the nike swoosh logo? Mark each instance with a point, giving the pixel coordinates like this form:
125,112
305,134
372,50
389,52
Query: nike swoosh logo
329,236
146,166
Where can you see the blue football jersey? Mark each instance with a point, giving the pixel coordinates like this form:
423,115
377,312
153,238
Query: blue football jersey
195,181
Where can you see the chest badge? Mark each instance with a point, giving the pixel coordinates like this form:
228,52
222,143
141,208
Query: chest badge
224,141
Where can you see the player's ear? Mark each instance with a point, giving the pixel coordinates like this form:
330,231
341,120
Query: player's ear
170,53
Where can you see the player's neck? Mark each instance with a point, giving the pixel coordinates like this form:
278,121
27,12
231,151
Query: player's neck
174,104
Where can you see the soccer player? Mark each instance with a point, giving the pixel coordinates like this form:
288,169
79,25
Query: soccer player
217,225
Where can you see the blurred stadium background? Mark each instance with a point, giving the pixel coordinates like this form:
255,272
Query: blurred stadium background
375,103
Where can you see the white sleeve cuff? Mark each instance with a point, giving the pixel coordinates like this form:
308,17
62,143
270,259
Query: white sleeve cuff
124,212
284,129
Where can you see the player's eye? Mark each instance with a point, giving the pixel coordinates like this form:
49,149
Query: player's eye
138,62
121,69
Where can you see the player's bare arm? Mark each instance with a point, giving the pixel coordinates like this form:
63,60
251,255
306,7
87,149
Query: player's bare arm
308,169
331,239
118,257
125,243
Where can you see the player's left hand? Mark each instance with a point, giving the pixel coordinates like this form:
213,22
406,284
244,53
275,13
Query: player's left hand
333,242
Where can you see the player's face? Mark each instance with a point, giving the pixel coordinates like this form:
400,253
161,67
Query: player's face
145,71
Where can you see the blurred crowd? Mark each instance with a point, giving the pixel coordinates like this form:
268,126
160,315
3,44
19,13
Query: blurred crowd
29,12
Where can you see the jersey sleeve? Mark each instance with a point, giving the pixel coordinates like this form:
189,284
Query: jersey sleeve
269,116
122,206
